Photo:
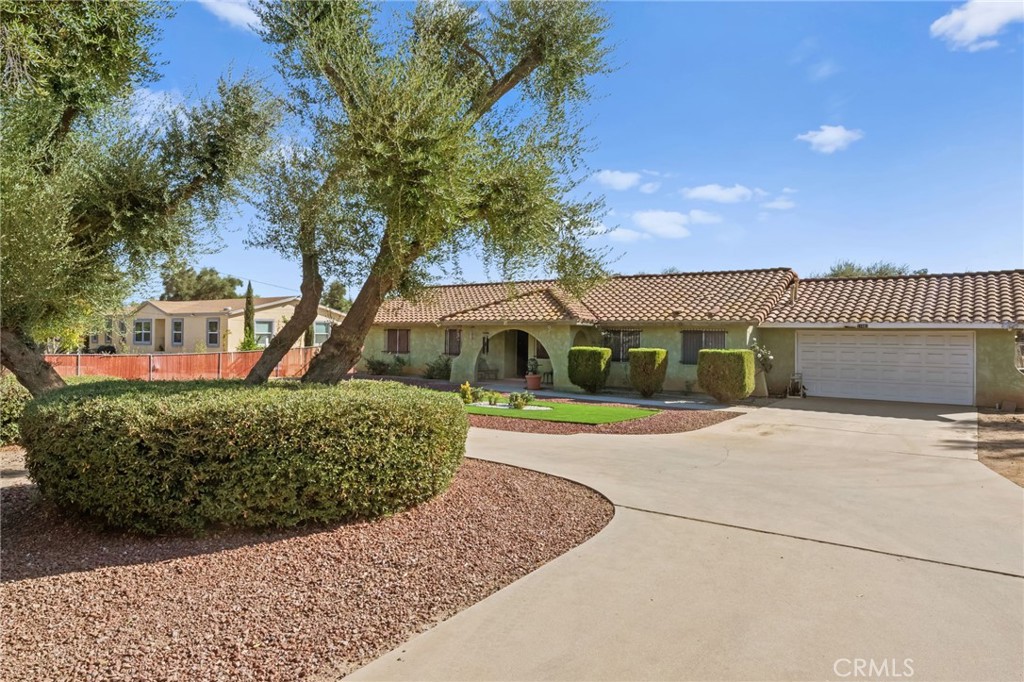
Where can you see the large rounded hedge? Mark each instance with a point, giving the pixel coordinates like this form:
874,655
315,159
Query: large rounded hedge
184,456
14,397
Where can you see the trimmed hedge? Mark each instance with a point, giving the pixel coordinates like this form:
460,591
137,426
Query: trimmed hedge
647,368
13,399
589,367
727,375
170,456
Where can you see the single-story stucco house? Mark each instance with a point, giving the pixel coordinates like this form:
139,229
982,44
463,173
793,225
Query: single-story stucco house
204,326
952,338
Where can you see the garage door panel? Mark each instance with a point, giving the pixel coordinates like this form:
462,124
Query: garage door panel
909,366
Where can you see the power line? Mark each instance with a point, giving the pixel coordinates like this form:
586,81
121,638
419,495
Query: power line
266,284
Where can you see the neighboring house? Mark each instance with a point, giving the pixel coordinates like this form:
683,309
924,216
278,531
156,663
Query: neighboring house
929,338
204,326
491,330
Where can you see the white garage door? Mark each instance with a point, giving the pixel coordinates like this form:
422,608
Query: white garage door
923,367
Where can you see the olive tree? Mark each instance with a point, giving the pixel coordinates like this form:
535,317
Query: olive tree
95,195
454,131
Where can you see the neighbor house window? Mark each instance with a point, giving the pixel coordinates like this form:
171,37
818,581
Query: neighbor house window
452,341
213,332
542,352
177,331
397,340
321,332
122,329
143,333
694,341
620,341
264,330
94,340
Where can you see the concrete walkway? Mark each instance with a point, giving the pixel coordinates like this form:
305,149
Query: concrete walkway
783,544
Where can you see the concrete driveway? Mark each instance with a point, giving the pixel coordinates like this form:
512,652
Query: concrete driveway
813,539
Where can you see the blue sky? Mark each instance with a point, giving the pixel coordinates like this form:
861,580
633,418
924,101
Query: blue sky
743,135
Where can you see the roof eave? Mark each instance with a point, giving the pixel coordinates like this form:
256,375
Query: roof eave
892,325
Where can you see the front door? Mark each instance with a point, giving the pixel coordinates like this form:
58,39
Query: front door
522,352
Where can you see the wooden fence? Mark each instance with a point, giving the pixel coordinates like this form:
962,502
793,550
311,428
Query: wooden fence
167,366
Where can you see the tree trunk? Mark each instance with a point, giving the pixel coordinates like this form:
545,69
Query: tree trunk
305,315
344,347
27,365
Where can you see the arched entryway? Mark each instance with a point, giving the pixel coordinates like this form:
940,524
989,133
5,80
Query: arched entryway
507,353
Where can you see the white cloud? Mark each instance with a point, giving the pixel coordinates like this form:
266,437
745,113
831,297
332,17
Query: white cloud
788,190
235,12
822,70
624,234
620,180
668,224
758,192
779,204
699,217
972,26
831,139
723,195
650,187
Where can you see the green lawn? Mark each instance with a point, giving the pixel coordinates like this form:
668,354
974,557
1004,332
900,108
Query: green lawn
575,413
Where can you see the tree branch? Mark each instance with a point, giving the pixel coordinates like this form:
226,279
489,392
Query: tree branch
480,54
503,85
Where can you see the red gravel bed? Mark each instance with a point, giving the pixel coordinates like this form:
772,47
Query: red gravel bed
665,421
81,604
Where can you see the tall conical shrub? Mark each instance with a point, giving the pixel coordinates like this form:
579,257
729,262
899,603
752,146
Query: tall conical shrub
249,333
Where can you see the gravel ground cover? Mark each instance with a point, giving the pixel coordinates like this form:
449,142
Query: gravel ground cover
301,604
665,421
1001,443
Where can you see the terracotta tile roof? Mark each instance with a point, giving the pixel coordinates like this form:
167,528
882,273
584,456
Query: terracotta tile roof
738,295
963,298
216,306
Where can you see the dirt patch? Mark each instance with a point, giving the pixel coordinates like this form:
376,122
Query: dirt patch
1001,444
82,604
666,421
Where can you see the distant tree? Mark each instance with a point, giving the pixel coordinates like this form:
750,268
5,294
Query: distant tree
249,323
334,297
848,268
459,128
182,283
671,271
95,197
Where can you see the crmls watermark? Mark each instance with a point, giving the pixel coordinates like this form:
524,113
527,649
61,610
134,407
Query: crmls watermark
886,668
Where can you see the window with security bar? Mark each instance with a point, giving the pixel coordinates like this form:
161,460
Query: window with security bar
696,340
620,341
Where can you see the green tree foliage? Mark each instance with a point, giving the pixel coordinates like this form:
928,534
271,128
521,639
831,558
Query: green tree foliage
96,195
455,131
848,268
335,297
183,283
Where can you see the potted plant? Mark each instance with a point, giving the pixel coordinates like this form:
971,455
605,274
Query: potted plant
532,375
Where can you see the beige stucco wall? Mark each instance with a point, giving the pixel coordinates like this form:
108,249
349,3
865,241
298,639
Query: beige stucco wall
996,377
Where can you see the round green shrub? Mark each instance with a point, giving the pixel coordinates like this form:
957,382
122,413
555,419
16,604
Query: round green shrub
184,456
589,367
647,368
13,399
727,375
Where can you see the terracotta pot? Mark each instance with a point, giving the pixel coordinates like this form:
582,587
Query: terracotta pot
532,382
